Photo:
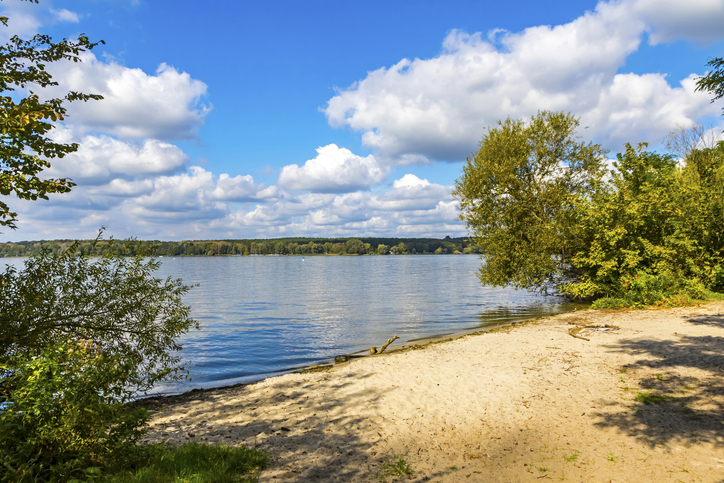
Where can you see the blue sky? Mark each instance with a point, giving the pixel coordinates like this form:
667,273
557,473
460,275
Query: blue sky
329,118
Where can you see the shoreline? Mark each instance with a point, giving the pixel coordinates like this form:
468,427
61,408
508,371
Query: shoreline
638,396
328,364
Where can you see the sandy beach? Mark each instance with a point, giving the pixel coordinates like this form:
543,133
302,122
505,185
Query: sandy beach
604,396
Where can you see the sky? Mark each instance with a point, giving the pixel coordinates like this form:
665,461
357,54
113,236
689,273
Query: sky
279,118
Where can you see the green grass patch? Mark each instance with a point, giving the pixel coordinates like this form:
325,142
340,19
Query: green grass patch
192,463
399,467
652,398
572,458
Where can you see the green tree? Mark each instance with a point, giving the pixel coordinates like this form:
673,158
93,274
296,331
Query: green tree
113,300
651,233
79,339
713,81
25,147
354,246
517,196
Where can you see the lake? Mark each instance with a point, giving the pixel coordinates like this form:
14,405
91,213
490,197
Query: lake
261,316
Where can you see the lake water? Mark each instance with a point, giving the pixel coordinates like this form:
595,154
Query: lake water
264,315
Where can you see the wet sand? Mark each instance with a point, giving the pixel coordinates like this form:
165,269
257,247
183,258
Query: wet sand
532,402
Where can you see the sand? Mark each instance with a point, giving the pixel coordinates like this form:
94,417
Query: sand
528,403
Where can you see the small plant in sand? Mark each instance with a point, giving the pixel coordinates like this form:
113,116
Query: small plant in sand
572,458
652,398
543,469
398,467
623,370
659,377
611,457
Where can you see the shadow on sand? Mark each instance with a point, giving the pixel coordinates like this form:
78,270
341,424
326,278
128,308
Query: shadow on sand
309,439
668,407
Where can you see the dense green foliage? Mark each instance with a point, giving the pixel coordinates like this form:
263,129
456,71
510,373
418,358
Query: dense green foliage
25,122
68,411
80,337
647,232
652,231
283,246
515,196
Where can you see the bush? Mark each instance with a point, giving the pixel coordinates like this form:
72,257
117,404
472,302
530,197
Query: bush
67,412
79,339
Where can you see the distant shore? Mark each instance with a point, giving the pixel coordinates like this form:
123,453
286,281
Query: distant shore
594,395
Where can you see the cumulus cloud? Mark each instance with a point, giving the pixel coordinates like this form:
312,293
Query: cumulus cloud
241,188
334,170
412,193
196,203
413,206
167,105
438,108
65,15
102,158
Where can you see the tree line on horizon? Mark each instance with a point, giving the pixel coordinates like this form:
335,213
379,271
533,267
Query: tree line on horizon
246,247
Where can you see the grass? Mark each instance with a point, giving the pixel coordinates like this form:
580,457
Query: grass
611,457
572,458
543,469
652,398
397,468
193,463
659,377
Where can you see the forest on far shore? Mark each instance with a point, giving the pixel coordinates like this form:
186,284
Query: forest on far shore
276,246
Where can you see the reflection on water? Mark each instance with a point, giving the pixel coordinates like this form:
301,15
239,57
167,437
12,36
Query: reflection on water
263,315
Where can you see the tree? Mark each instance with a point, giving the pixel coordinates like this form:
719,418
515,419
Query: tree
517,196
354,246
79,339
713,81
684,140
113,300
25,147
648,233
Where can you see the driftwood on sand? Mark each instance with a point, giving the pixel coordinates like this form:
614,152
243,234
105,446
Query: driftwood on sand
373,350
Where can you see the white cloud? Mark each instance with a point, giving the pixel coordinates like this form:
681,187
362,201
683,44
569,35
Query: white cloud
166,106
102,158
192,204
412,193
65,15
670,20
241,188
410,202
438,108
334,170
